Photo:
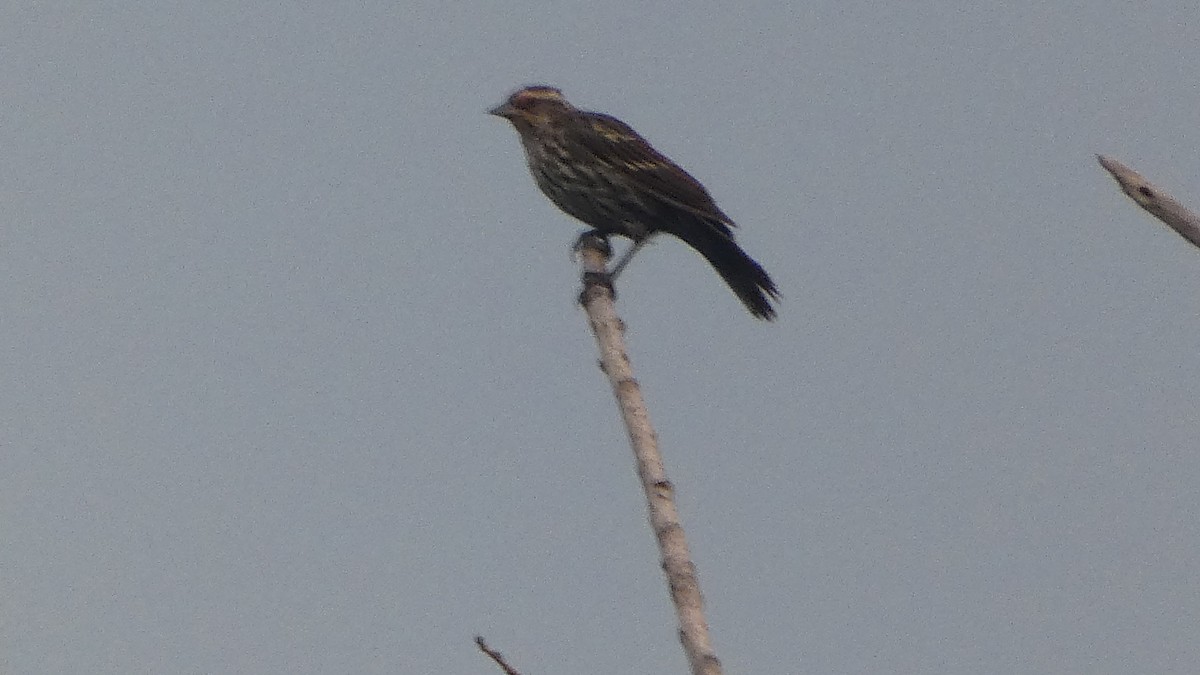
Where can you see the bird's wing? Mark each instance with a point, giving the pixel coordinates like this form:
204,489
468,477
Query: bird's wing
614,143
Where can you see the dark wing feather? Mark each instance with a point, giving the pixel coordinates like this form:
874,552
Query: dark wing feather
613,143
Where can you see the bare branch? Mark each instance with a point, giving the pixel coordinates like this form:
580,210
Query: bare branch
597,299
1157,202
495,656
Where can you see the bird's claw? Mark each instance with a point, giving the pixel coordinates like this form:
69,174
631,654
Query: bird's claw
598,278
593,282
591,239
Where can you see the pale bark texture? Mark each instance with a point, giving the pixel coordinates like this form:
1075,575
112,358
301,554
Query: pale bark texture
597,300
1158,203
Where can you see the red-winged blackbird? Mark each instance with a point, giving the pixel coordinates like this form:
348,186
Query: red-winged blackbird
599,170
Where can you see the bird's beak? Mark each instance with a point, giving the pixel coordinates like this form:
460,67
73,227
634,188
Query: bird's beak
504,110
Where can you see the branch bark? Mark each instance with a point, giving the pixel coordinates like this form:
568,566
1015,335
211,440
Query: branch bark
598,301
1158,203
495,656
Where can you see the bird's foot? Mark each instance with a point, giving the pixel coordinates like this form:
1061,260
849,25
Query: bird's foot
593,247
596,282
591,239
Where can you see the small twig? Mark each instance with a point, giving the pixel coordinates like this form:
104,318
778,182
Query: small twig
495,656
682,582
1158,203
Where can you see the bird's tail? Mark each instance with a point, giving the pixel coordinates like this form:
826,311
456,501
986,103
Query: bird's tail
748,280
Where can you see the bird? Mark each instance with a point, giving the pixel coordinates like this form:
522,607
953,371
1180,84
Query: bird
597,169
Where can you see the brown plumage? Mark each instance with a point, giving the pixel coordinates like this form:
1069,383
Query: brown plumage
597,169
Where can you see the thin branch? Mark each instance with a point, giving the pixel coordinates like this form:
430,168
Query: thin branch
597,300
1157,202
495,656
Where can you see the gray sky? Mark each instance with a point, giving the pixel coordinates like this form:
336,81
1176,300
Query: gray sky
296,384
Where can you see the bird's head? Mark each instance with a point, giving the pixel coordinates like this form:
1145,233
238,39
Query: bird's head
532,107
